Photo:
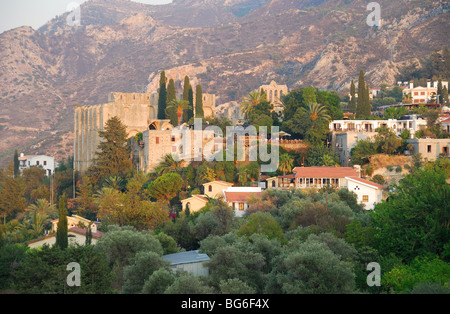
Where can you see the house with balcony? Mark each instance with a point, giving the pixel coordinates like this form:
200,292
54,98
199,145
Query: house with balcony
45,162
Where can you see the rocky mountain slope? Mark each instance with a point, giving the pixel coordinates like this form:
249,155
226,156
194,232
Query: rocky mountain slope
230,47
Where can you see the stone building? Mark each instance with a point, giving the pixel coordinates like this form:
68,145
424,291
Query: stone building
134,110
274,94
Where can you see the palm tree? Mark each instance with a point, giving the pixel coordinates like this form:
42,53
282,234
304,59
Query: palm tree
179,106
252,100
328,161
168,164
318,112
243,175
285,164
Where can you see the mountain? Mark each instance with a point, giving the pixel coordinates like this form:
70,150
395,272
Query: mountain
230,47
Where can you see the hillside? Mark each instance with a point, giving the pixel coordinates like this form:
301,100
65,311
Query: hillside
229,47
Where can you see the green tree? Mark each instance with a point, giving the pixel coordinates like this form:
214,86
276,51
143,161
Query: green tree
171,96
311,267
158,282
186,88
262,223
162,97
199,102
166,187
62,240
363,104
352,102
286,163
143,265
113,154
415,219
179,106
121,244
12,190
16,163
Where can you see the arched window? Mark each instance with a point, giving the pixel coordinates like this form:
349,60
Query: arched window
273,183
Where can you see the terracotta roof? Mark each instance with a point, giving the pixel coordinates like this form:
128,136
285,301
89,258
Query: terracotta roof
200,197
78,230
446,120
239,196
82,231
367,182
219,181
325,172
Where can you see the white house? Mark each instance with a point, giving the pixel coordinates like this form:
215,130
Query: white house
237,198
76,236
46,162
368,193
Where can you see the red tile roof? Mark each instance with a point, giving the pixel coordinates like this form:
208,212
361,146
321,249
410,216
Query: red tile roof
79,230
325,172
240,196
373,184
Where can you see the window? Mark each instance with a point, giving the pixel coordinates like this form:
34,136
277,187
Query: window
273,183
157,140
173,138
45,162
365,198
37,162
210,188
429,148
241,206
188,205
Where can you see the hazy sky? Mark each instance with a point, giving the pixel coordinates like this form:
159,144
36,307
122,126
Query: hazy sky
35,13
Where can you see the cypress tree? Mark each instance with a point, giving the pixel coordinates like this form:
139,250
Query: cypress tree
190,109
162,99
444,95
199,102
367,108
88,236
439,93
352,103
62,240
186,88
171,95
362,106
16,163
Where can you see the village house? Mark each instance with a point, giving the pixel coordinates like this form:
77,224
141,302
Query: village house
319,177
194,203
214,189
430,148
368,193
423,95
46,162
238,197
76,236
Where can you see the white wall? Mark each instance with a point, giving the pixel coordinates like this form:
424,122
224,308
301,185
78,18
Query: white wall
375,195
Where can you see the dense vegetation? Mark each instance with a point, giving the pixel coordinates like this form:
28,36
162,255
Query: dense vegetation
289,241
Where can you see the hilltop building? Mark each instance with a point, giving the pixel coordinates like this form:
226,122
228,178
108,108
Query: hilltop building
46,162
274,93
423,95
138,112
